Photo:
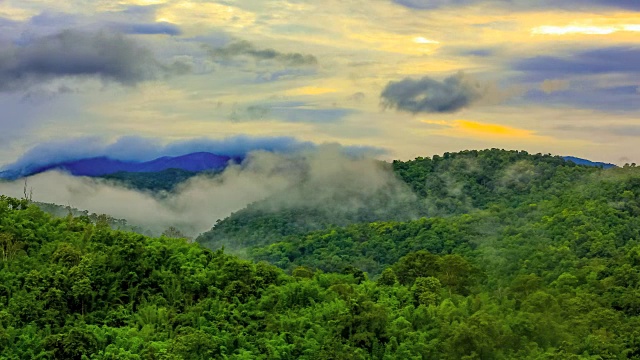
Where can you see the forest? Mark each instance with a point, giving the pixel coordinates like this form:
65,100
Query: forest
495,255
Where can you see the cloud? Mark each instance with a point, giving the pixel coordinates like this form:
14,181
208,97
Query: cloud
617,59
164,28
551,86
245,48
611,98
602,78
357,97
289,111
522,4
628,130
72,53
432,96
432,4
284,74
479,52
133,148
474,129
312,177
139,20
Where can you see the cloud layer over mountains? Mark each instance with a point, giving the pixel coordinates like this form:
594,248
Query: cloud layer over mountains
311,176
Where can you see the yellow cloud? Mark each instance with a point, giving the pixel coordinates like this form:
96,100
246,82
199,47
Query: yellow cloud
310,90
493,129
146,2
550,86
466,128
14,13
207,14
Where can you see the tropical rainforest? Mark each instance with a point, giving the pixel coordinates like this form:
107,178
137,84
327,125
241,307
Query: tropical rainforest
493,254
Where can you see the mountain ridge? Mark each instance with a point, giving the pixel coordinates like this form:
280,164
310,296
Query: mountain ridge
581,161
102,165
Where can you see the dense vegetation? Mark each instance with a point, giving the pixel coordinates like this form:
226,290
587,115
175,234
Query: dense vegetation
522,257
166,180
455,183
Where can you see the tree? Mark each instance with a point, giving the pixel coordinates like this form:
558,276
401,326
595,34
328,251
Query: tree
9,247
426,290
418,264
175,233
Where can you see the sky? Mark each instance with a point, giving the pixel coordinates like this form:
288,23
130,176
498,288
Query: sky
405,78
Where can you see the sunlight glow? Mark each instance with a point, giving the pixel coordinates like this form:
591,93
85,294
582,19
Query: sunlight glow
466,128
423,40
586,30
310,90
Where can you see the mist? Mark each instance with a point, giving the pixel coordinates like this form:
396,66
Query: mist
312,177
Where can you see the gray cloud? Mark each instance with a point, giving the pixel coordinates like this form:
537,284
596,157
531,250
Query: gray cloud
289,111
245,48
357,97
432,96
326,172
608,60
71,53
163,28
629,130
586,95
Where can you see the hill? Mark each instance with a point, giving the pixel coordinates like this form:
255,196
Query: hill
165,180
522,257
454,183
102,166
586,162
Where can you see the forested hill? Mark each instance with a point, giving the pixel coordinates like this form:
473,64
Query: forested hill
550,273
454,183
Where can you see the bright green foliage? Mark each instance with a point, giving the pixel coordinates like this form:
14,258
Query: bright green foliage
545,264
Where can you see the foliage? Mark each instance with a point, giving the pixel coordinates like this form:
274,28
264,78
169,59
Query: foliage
166,180
452,184
539,260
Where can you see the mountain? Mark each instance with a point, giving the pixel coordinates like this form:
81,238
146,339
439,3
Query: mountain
165,180
451,184
518,256
101,166
586,162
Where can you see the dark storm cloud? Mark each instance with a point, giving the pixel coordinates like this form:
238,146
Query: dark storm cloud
245,48
524,4
431,96
597,61
108,56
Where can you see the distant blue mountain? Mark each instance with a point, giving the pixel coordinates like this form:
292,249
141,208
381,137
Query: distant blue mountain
101,166
580,161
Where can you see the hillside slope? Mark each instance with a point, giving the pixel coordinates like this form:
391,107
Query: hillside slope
455,183
542,274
